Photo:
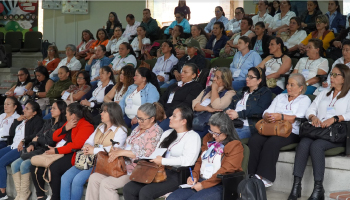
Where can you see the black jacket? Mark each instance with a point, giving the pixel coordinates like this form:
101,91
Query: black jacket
87,96
199,60
311,26
341,37
265,45
32,127
183,96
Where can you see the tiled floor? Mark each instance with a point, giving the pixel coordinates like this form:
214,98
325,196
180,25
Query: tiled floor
274,195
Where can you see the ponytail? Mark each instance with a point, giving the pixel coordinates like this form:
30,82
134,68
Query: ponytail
160,112
80,111
155,110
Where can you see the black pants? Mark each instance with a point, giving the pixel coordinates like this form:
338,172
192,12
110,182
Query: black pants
264,152
316,149
58,168
139,191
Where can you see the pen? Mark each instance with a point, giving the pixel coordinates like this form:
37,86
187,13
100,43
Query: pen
191,174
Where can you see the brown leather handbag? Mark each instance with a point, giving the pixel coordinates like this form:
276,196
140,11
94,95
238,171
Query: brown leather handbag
282,128
115,169
148,172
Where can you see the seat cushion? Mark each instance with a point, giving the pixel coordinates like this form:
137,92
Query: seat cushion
289,147
334,151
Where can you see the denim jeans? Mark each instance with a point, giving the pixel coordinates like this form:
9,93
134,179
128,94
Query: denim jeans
55,78
238,85
164,124
3,144
309,90
72,183
7,156
21,165
243,132
168,83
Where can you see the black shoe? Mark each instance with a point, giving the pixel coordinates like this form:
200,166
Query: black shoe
296,189
318,192
43,198
3,196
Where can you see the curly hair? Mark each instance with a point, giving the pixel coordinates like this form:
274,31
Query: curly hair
129,73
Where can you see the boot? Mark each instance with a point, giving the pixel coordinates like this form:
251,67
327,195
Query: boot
318,192
17,180
296,189
25,182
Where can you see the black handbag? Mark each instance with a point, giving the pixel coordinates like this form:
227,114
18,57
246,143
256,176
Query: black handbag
27,155
238,123
24,99
335,133
251,189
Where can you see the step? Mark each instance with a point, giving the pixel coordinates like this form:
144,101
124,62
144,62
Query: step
26,59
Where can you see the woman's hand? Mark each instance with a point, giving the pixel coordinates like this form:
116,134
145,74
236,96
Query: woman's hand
71,124
30,148
272,117
160,78
324,84
210,109
93,57
20,146
29,92
51,150
327,122
198,187
214,86
35,139
114,154
85,102
88,150
190,181
337,44
21,118
232,114
134,121
157,160
316,122
9,93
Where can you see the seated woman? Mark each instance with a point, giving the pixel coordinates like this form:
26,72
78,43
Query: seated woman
71,135
215,98
144,90
264,150
22,132
23,84
276,64
126,56
183,146
52,60
198,34
312,65
260,42
87,39
233,26
205,183
142,142
124,80
263,14
70,61
12,110
219,17
337,97
181,93
111,128
61,85
231,46
78,90
338,21
321,33
308,18
177,37
243,60
111,23
94,98
114,42
37,146
336,51
180,20
95,63
212,49
182,7
102,38
281,20
139,41
165,63
250,104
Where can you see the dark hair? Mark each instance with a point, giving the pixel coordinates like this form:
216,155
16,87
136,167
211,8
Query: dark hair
150,77
273,10
337,4
193,67
115,114
26,72
129,73
345,73
109,70
279,41
289,4
129,47
222,121
318,44
222,26
180,13
80,111
346,42
103,47
143,28
86,76
146,9
246,39
88,32
249,20
181,30
316,3
242,10
67,70
222,10
121,29
187,114
298,20
130,16
171,46
200,29
261,24
179,3
19,108
42,70
260,74
104,31
35,107
115,22
62,106
266,3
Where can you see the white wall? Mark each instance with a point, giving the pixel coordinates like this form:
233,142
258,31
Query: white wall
66,29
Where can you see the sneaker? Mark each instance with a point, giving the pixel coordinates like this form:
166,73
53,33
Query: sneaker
3,196
267,183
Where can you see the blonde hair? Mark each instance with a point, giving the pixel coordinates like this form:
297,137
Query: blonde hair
323,19
226,76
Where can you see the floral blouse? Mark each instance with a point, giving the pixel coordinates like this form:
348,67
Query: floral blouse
75,89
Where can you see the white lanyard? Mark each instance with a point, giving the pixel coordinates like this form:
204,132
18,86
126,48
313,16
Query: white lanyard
97,90
309,64
4,121
240,63
170,147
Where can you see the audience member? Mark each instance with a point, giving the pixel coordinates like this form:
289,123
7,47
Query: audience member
149,24
308,18
87,39
78,90
181,21
263,15
336,20
294,36
23,84
219,17
139,41
216,41
233,26
281,20
114,42
198,34
101,39
111,23
182,7
336,51
260,42
52,60
96,62
276,7
271,9
177,37
126,56
131,28
62,84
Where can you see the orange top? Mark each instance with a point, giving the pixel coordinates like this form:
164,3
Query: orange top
97,42
51,66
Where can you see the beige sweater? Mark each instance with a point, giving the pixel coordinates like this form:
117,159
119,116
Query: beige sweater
219,103
202,40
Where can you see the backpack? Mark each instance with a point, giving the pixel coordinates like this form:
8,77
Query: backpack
5,55
251,189
44,47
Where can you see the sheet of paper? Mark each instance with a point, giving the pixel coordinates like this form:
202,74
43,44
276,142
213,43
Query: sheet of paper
185,186
157,152
65,95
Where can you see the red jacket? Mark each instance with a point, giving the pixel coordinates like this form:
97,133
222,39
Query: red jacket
79,135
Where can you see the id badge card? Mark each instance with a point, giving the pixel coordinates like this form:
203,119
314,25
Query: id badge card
305,73
129,103
239,107
206,102
128,146
61,143
288,112
35,89
208,170
100,146
236,73
167,154
93,71
330,112
171,97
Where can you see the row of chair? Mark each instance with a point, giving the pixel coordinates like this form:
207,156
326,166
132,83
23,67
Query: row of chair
31,43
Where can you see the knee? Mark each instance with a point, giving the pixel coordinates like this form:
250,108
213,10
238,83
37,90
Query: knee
25,167
66,178
145,194
316,147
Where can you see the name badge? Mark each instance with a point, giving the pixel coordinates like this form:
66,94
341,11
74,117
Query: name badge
208,170
100,146
128,147
129,103
288,112
305,73
167,155
65,95
171,97
239,107
206,102
236,73
93,71
35,89
330,112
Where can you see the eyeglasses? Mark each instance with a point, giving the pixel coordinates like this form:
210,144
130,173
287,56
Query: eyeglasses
237,13
80,77
142,120
318,22
334,74
214,133
20,74
177,17
250,76
50,50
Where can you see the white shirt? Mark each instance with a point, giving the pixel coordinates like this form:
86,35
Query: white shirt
184,150
118,95
82,47
319,106
73,65
272,66
133,102
99,93
267,19
235,40
119,62
113,45
309,68
5,124
95,69
131,30
297,107
19,90
19,135
233,25
119,136
163,66
295,39
242,105
135,44
277,21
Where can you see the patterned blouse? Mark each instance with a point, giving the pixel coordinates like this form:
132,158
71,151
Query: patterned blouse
75,89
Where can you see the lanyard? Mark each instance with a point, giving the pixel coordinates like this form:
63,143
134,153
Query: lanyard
4,121
132,138
133,93
263,18
240,63
290,104
97,91
309,64
176,142
21,125
335,100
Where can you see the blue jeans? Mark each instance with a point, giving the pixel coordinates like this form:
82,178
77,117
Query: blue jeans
212,193
238,85
21,165
7,156
168,83
309,90
204,132
3,144
55,78
164,124
72,183
243,132
161,83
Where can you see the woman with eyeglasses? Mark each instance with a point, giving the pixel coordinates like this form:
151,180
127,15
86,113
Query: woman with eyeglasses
52,60
338,21
219,17
115,41
250,104
330,106
95,63
281,20
87,39
78,90
233,26
41,84
183,146
225,157
264,150
23,84
142,142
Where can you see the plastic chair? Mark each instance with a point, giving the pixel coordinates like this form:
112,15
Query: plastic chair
15,40
32,42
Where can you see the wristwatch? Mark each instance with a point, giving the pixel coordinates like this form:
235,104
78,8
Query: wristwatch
307,84
336,118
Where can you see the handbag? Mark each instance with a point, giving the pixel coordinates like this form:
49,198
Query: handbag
27,155
70,99
334,133
115,169
271,82
44,160
84,162
24,99
147,172
237,123
282,128
200,120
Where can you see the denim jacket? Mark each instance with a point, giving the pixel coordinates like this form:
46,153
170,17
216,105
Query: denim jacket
105,61
257,103
149,94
